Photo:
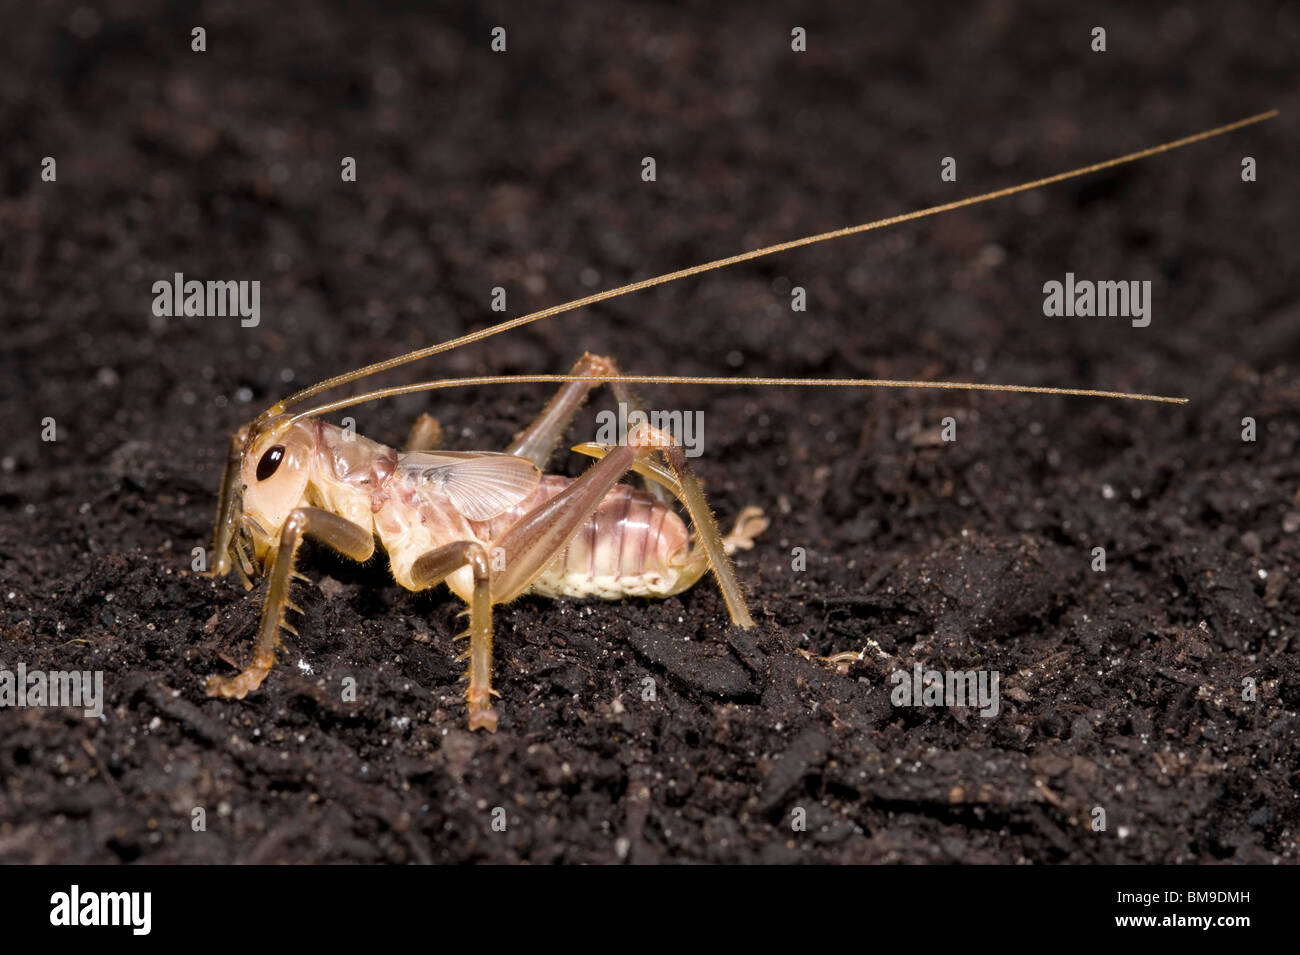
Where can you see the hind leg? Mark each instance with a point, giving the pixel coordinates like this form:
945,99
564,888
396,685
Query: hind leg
539,440
711,551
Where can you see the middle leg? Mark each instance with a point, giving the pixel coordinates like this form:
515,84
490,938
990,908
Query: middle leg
425,434
547,530
431,569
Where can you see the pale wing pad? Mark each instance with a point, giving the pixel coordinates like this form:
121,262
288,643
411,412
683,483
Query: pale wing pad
482,486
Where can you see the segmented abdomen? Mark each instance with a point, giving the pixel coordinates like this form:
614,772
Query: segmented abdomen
626,549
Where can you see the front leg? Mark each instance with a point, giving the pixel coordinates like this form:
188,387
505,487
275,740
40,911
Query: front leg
347,538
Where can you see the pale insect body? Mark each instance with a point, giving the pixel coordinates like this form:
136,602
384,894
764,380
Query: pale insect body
489,525
633,545
492,525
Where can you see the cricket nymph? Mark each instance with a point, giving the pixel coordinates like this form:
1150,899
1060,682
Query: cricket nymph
632,546
490,525
493,526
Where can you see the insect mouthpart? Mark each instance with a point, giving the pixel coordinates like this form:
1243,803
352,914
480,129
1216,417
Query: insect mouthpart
244,547
237,534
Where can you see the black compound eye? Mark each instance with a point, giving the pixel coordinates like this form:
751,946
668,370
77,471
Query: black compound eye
270,461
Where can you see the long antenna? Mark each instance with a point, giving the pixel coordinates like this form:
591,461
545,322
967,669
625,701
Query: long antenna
441,383
281,406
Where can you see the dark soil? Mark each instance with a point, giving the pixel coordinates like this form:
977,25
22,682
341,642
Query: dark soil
1121,690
